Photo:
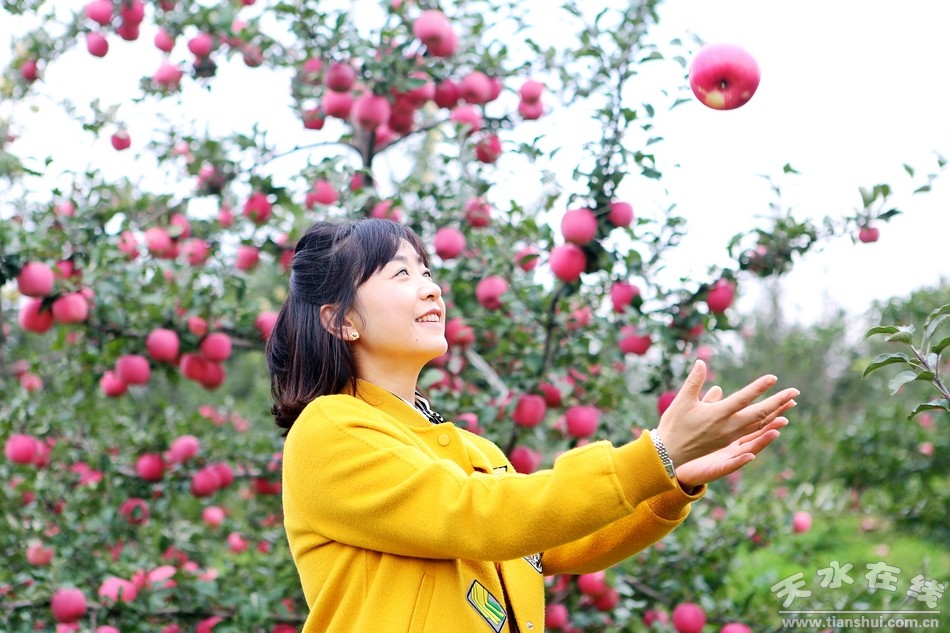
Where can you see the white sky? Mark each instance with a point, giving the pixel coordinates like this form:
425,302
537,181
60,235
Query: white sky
850,91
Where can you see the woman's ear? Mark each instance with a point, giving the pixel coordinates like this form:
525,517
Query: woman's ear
328,319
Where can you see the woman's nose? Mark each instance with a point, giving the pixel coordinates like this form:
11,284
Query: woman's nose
430,289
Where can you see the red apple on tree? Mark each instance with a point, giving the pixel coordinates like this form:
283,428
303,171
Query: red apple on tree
723,76
582,420
525,460
688,617
97,45
621,213
489,291
593,584
111,385
68,605
720,296
869,234
579,226
567,261
370,111
735,627
33,318
622,294
150,467
38,555
216,347
20,448
35,280
555,616
133,369
632,341
163,345
529,410
448,242
801,521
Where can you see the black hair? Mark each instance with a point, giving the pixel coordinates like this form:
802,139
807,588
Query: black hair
332,259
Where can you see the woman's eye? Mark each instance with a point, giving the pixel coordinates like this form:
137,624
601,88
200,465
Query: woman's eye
402,271
427,273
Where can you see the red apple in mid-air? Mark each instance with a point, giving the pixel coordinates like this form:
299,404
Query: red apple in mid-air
735,627
723,76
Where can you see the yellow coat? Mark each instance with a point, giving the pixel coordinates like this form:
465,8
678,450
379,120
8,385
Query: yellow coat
400,525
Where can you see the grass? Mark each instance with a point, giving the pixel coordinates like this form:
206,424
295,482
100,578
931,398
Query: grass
847,539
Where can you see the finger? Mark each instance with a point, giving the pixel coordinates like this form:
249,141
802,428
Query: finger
693,384
777,424
714,394
758,415
733,464
759,443
747,395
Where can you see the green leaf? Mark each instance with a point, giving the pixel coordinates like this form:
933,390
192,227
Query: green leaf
905,334
923,189
941,404
934,319
881,329
941,345
867,197
900,380
788,169
909,170
882,360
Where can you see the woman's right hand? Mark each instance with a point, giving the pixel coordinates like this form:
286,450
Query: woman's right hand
691,428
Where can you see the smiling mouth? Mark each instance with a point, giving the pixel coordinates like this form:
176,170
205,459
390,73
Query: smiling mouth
429,318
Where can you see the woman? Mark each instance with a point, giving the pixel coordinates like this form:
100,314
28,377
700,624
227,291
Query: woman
399,521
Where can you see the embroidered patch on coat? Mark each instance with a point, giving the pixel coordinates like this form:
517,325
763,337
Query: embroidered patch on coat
487,606
535,561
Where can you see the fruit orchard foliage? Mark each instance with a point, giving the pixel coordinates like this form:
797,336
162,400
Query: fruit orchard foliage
147,477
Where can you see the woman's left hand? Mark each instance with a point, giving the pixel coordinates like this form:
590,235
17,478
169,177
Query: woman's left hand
728,459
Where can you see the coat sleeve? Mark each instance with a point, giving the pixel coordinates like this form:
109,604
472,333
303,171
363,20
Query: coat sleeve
359,479
651,521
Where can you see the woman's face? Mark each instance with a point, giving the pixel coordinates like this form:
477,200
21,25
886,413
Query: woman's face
400,316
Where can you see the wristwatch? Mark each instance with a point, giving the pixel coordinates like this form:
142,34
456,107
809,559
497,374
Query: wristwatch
664,456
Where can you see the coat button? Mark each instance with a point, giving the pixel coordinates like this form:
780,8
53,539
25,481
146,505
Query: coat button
444,439
530,625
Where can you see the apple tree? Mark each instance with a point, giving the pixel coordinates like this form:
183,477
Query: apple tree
141,473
